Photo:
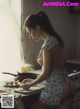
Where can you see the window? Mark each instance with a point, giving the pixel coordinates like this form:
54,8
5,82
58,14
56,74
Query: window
10,32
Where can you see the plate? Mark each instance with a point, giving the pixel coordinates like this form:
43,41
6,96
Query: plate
11,86
31,90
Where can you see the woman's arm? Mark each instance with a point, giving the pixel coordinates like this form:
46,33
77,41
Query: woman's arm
47,67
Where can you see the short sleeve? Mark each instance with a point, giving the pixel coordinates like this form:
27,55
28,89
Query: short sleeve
50,42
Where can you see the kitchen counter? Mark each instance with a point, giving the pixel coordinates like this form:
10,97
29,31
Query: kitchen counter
7,90
27,98
19,91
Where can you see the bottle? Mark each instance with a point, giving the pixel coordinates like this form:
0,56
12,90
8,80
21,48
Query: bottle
24,69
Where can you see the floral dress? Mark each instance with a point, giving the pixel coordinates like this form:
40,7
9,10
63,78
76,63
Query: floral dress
52,92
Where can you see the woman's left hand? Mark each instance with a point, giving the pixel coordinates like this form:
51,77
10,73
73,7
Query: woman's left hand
25,86
28,80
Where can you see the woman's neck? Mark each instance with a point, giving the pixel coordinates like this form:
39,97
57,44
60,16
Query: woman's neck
44,36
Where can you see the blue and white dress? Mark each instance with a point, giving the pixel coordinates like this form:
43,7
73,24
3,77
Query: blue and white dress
52,92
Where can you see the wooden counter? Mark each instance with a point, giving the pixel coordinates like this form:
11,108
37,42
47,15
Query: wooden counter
27,98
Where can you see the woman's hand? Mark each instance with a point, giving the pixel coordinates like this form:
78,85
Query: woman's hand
26,83
29,80
25,86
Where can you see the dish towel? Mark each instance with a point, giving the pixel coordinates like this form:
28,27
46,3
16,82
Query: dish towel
18,104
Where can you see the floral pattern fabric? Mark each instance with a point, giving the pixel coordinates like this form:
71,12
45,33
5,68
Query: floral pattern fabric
54,85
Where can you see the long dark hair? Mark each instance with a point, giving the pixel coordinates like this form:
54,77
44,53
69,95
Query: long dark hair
42,20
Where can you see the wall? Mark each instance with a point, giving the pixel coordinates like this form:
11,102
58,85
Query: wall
78,38
64,23
15,5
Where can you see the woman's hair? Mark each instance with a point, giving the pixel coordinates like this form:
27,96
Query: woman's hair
41,19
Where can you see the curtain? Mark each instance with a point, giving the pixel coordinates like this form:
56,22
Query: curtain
10,59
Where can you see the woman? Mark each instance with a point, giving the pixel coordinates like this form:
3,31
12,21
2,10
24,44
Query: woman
57,92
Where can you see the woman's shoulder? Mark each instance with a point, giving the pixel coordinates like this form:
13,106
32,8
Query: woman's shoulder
50,42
